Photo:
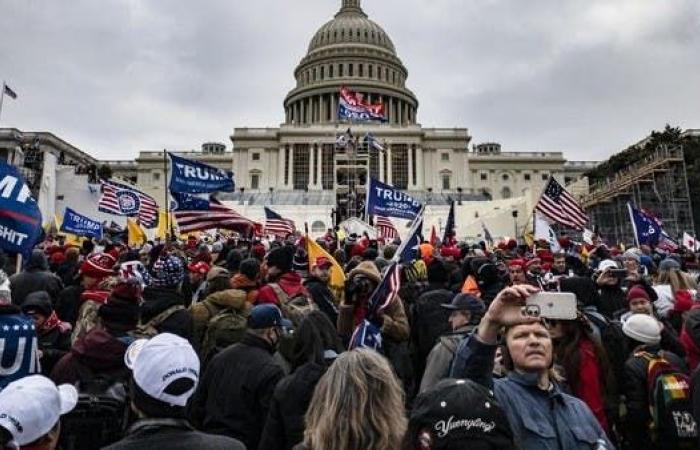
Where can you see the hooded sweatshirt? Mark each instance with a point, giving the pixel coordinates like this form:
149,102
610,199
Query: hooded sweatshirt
35,277
96,353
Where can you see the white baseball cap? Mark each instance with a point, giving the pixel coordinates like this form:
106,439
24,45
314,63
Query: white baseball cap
158,362
607,264
31,406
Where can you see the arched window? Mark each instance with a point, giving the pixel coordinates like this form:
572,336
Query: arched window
505,177
505,192
318,227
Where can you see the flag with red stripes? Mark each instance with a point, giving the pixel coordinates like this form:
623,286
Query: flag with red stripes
559,206
385,228
122,200
277,225
194,213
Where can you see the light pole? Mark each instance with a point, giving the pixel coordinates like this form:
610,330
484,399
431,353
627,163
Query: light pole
515,223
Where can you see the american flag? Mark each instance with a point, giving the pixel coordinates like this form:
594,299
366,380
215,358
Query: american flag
277,225
385,228
558,205
386,291
122,200
195,214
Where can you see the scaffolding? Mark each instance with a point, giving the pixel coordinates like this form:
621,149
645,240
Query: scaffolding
658,184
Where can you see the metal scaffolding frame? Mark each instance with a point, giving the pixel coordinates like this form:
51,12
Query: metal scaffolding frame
658,184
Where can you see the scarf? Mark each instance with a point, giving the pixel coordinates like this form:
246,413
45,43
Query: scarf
95,296
54,322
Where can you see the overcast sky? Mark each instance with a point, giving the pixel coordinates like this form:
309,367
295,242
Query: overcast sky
586,77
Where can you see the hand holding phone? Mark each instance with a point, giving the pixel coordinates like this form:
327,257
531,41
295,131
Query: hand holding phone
551,305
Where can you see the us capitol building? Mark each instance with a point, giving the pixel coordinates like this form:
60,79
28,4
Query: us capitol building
299,163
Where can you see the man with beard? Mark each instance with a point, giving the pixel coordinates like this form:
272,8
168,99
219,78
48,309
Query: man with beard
317,285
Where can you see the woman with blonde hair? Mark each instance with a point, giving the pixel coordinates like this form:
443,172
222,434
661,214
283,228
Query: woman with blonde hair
357,405
671,285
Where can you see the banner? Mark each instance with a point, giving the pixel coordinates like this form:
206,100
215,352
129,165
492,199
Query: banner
543,231
647,230
385,200
20,218
194,177
408,250
80,225
690,242
353,107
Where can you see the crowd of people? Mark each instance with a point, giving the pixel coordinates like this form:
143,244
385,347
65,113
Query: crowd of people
216,342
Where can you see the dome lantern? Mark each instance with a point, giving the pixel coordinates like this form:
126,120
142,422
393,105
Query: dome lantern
351,7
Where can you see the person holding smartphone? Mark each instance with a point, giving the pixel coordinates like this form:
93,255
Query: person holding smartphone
540,414
609,278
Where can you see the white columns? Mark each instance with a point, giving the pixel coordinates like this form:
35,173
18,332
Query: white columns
280,168
390,164
410,183
312,166
381,166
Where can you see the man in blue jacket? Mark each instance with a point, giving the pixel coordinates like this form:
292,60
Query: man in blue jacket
541,416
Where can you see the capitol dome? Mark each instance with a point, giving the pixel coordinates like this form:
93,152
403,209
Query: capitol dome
350,50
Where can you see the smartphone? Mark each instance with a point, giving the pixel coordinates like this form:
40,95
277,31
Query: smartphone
552,305
618,273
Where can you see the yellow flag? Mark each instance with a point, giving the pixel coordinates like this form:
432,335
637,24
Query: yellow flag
163,224
529,239
316,251
137,235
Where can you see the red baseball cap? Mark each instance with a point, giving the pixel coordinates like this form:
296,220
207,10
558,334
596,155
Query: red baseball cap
322,261
199,267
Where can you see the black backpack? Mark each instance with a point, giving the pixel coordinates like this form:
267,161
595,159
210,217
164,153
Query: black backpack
101,415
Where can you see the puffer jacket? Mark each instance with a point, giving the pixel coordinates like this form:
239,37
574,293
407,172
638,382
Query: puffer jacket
157,300
242,282
540,420
203,311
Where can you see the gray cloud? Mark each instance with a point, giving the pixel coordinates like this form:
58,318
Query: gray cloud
117,76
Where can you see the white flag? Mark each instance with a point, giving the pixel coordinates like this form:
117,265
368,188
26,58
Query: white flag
690,242
587,236
544,231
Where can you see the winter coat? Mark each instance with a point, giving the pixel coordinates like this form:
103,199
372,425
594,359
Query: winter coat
156,300
203,311
430,321
16,331
290,283
173,434
666,301
637,394
612,300
67,272
233,397
439,360
540,420
323,297
242,282
285,426
90,302
96,353
68,303
395,324
690,338
33,280
54,342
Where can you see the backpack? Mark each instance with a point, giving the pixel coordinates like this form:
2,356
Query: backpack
149,329
225,327
670,403
101,415
294,308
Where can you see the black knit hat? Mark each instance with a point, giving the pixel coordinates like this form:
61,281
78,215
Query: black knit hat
282,258
458,414
121,310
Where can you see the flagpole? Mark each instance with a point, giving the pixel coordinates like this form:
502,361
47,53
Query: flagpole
168,230
634,224
2,97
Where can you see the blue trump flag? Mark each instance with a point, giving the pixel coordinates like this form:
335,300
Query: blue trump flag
194,177
20,217
385,200
647,230
80,225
